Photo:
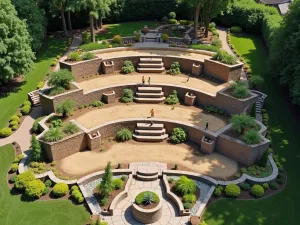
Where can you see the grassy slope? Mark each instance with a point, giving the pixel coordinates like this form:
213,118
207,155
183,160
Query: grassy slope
13,211
124,29
282,208
11,103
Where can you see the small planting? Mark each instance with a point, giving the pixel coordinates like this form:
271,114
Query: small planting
26,109
56,91
170,180
104,201
243,122
60,189
74,56
23,179
70,128
173,21
265,186
123,177
255,81
61,78
174,69
251,137
26,103
34,189
172,15
14,167
40,85
87,56
55,123
117,184
165,37
53,134
191,198
124,135
97,104
224,57
172,99
274,186
187,205
245,187
232,190
204,47
48,183
13,179
257,190
179,135
216,42
127,67
217,192
185,186
146,198
35,126
77,196
117,39
127,96
13,123
15,118
45,191
5,132
65,108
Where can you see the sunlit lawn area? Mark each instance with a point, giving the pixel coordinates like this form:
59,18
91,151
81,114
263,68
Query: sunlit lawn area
14,211
282,208
9,104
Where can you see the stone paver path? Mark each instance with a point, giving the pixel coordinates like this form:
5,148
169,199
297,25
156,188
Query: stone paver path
123,213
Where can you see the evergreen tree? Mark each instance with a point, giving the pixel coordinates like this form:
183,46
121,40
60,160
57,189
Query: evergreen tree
35,18
106,183
16,56
36,150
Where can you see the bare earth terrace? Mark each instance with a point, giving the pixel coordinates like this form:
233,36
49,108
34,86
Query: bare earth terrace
190,115
202,84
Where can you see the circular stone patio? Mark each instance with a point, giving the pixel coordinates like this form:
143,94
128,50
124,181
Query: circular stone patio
215,165
110,80
190,115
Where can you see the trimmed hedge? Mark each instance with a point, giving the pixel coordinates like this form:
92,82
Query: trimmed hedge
232,190
60,189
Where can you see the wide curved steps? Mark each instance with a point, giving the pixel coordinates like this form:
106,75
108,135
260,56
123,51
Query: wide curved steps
149,95
145,132
151,65
146,175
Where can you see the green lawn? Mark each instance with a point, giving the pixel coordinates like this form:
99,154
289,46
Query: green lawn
14,211
124,29
9,104
282,208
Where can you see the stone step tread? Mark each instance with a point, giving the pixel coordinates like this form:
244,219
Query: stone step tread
151,60
151,65
145,100
150,89
150,132
145,94
154,126
150,69
150,138
147,172
146,178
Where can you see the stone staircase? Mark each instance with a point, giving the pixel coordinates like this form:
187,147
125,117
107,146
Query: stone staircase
34,98
145,132
151,65
146,174
149,95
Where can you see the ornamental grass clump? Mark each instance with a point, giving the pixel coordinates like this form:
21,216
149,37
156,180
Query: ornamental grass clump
124,135
70,128
239,90
52,135
146,198
251,137
61,78
224,57
185,186
243,122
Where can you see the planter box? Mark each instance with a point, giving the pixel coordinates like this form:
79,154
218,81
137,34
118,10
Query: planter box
147,215
207,145
196,69
108,67
94,141
109,98
189,99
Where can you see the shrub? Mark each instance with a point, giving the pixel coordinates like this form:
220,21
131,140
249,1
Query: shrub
187,205
97,104
173,21
56,123
251,137
23,179
245,186
56,91
18,158
61,78
205,47
77,196
87,56
232,190
53,134
172,15
127,67
34,189
13,123
13,178
165,37
217,192
146,197
70,128
46,190
240,91
241,122
40,85
255,81
265,186
117,183
26,109
106,186
14,167
117,39
74,56
257,190
185,185
15,127
174,69
170,180
48,183
66,107
224,57
183,22
191,198
127,96
60,189
236,29
104,201
172,99
15,118
221,188
124,135
27,103
123,177
179,135
5,132
19,114
274,186
35,126
216,42
86,37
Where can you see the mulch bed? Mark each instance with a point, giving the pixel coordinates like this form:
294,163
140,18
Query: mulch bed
111,196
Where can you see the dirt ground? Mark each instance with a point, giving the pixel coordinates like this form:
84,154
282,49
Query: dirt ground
191,115
185,155
202,84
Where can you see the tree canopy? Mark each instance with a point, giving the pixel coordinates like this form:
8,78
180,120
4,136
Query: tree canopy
35,18
285,51
16,56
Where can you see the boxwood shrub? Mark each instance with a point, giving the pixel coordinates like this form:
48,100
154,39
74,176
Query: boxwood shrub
34,188
257,190
5,132
60,189
232,190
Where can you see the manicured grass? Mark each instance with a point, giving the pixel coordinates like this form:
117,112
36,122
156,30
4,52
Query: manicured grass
9,104
124,29
282,208
14,211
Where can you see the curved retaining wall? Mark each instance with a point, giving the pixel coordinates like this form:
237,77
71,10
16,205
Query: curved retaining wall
147,216
222,100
